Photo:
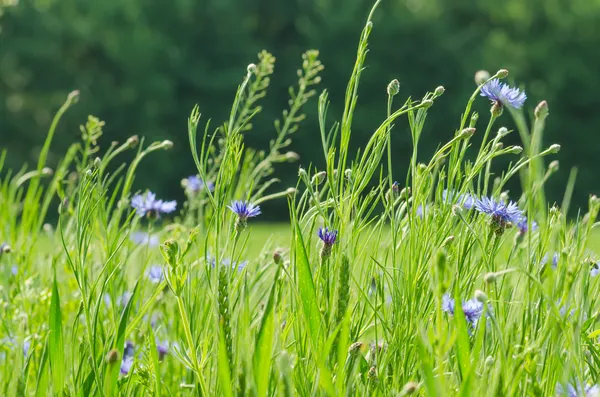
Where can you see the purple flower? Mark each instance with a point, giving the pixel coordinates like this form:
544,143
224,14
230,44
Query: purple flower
555,258
473,309
502,94
576,390
149,205
156,274
126,365
327,236
144,238
194,184
523,226
163,349
226,262
244,209
14,270
500,212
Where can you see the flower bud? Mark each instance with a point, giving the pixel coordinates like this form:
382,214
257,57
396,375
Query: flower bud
466,133
112,356
354,348
515,149
251,68
302,173
481,296
457,210
474,118
167,144
490,277
393,88
47,171
426,103
277,257
5,248
409,388
291,191
292,156
555,148
541,110
498,146
319,178
348,174
489,361
502,73
132,141
496,109
448,241
502,132
97,162
481,76
553,166
73,96
439,91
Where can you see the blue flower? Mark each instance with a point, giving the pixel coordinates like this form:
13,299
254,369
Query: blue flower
163,349
576,390
473,309
501,213
148,205
226,262
595,269
127,361
156,274
327,236
502,94
144,238
523,226
465,199
194,184
244,209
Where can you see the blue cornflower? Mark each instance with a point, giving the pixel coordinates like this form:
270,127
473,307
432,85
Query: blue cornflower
127,361
503,95
194,184
244,209
144,238
576,390
502,214
524,227
227,263
473,309
595,269
148,205
327,236
466,199
156,274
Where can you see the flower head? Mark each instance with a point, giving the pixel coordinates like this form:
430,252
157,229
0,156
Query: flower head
327,236
577,389
156,274
502,214
473,309
503,95
465,199
127,361
148,205
244,209
523,225
194,184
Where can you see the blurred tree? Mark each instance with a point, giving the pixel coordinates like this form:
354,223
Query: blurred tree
141,66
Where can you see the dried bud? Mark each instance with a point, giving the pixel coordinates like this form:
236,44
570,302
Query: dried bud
502,73
481,76
515,150
393,88
541,110
372,374
355,348
277,257
481,296
251,68
466,133
112,356
439,91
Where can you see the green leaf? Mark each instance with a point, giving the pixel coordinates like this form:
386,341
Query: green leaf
462,339
308,295
55,342
223,365
264,342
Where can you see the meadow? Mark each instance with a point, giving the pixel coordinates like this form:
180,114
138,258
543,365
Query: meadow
439,282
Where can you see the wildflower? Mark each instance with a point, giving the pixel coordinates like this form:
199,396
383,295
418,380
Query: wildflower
127,361
163,350
156,274
194,184
243,210
150,206
503,95
328,237
503,215
595,269
555,258
5,249
226,262
473,309
523,226
576,390
142,238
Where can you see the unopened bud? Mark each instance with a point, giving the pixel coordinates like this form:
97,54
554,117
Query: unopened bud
409,388
372,374
490,278
502,73
555,148
515,149
553,166
467,133
133,141
291,191
448,241
292,156
302,172
112,356
474,118
481,76
406,192
47,171
498,146
73,96
496,109
439,91
251,68
319,178
502,132
481,296
354,348
426,103
167,144
348,174
457,210
277,257
504,196
97,162
5,248
489,361
541,110
393,87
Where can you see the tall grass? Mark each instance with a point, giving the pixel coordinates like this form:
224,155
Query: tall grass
416,287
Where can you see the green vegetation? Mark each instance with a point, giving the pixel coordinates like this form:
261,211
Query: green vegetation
430,282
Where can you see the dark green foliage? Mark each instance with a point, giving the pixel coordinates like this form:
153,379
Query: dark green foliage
141,66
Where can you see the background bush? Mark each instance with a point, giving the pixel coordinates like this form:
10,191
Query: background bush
141,66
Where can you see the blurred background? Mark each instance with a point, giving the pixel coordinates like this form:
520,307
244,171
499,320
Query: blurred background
141,66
